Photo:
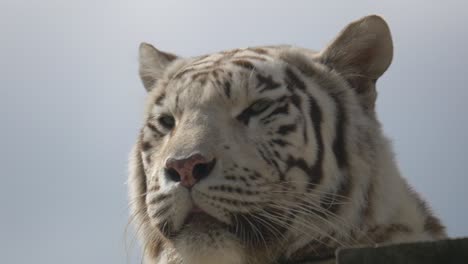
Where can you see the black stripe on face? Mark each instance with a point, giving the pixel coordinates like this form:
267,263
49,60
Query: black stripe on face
264,156
294,81
200,74
286,129
282,110
296,101
245,116
201,77
316,120
244,64
154,129
259,50
268,157
267,83
145,146
201,61
280,142
179,75
339,150
160,98
339,145
252,110
315,172
140,177
148,159
177,101
227,89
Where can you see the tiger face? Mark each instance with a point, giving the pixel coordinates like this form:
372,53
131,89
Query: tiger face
255,153
230,139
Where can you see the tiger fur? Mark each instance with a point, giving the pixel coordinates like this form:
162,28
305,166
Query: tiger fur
296,162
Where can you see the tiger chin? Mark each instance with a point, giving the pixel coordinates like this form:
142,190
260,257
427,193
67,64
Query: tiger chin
270,154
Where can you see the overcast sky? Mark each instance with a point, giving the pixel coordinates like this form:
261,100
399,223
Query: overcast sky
71,104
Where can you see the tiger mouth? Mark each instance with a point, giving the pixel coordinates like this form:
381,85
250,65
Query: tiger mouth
198,217
197,214
199,220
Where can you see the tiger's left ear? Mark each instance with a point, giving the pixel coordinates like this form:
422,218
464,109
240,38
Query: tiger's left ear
361,53
153,64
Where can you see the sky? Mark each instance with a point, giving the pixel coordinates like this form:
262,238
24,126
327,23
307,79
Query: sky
71,104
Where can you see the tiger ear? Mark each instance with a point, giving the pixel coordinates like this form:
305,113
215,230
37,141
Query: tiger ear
153,63
361,53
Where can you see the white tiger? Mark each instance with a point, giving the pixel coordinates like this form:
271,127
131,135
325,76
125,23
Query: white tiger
270,155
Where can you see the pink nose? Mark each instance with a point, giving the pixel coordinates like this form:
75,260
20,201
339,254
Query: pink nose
189,171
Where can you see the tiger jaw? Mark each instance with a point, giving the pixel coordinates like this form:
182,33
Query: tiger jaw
170,213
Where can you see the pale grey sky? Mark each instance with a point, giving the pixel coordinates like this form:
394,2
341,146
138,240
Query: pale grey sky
71,104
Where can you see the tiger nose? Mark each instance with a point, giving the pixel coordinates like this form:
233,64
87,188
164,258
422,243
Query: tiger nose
189,171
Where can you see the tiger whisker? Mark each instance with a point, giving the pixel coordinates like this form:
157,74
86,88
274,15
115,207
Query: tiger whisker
277,221
332,225
306,226
313,207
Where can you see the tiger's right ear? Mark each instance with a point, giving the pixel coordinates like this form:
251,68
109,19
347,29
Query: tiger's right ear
153,63
361,53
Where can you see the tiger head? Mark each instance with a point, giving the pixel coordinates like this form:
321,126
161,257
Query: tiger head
255,149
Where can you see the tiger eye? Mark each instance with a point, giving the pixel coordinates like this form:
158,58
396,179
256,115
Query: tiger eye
167,121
